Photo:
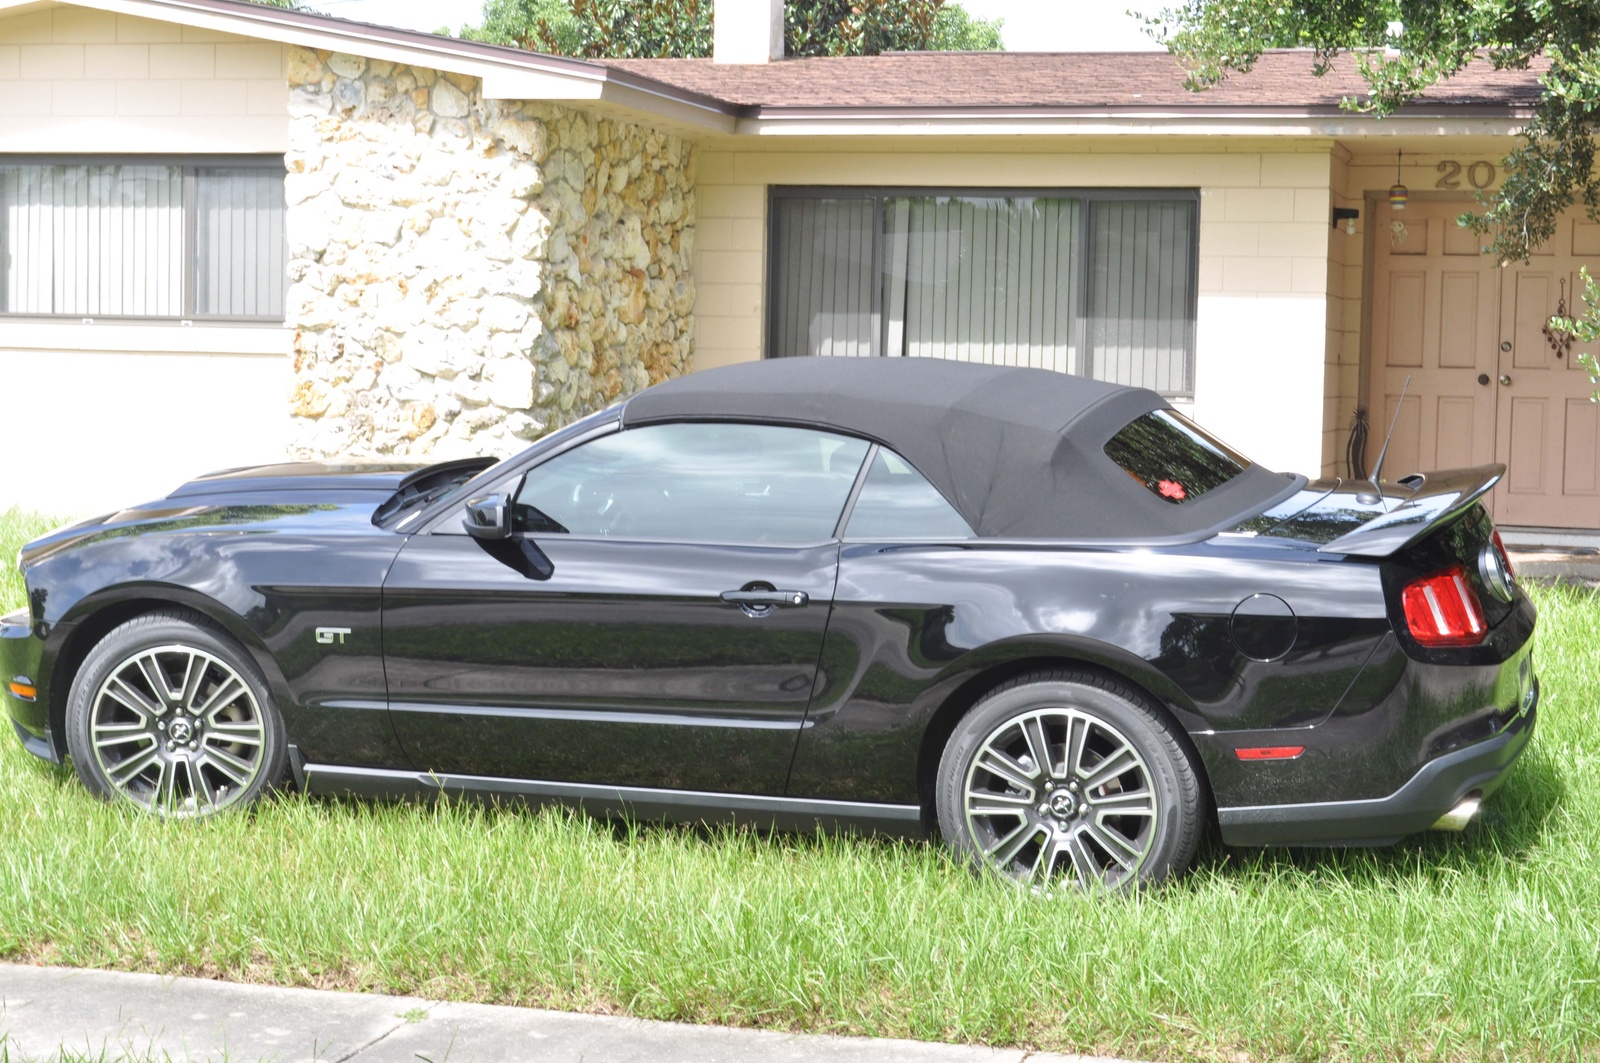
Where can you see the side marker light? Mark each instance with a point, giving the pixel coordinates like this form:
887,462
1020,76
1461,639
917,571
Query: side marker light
1269,752
23,688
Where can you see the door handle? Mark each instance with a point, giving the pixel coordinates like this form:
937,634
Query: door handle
766,597
1483,378
1505,379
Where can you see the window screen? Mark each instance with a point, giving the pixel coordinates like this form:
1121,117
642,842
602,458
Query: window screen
896,502
1100,284
1174,457
142,240
696,483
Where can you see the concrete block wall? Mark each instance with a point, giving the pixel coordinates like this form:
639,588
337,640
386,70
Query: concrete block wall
1342,370
1263,335
73,79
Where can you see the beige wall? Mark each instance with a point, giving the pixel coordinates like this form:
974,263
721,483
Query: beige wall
75,80
124,413
1342,369
133,409
1263,336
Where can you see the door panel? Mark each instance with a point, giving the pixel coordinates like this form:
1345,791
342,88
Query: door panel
1547,435
1459,340
624,667
1525,470
1583,448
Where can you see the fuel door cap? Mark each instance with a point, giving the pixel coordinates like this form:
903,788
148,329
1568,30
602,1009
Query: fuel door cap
1264,627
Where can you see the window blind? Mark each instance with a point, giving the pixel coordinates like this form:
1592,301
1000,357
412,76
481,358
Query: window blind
823,277
239,248
1140,322
981,280
92,240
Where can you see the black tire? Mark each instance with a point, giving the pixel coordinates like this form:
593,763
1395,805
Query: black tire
1134,826
171,716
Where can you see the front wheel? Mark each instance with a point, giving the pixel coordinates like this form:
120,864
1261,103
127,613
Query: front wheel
1069,776
171,716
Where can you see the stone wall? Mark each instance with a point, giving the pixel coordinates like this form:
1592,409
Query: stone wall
467,274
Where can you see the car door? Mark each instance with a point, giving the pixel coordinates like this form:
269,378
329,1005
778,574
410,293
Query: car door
655,619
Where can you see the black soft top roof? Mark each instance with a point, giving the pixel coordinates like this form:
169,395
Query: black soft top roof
1018,452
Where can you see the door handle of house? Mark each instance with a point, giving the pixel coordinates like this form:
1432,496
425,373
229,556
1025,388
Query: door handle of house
1483,378
766,597
1505,379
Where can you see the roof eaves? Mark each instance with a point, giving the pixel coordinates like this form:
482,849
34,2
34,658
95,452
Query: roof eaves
1209,118
1206,110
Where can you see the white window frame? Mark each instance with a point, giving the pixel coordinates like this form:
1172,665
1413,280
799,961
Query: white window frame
190,165
1088,197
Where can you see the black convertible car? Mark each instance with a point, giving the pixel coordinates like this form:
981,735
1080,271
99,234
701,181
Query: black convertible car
1046,618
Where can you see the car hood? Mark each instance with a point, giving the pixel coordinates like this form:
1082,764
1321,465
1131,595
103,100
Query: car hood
296,476
334,496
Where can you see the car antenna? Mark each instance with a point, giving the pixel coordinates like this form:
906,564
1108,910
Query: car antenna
1368,498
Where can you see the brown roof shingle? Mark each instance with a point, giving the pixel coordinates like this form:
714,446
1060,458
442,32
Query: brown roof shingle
1072,80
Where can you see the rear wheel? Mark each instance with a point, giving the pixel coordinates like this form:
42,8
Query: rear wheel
168,714
1069,777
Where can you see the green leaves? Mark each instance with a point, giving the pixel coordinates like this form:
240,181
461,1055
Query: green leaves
1585,329
660,29
1549,172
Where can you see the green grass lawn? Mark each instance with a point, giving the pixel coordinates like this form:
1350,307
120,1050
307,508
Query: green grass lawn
1484,944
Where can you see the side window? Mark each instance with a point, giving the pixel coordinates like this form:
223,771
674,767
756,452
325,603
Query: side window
896,502
695,482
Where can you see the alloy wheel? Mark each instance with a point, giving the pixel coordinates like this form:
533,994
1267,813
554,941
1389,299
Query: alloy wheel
177,731
1056,791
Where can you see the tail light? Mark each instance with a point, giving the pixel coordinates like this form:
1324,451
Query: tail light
1505,558
1443,610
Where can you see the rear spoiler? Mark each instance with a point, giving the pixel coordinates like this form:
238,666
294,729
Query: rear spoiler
1437,500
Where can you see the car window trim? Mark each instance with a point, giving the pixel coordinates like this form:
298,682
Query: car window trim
855,490
855,494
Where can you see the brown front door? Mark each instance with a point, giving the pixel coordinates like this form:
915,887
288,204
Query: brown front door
1486,385
1547,425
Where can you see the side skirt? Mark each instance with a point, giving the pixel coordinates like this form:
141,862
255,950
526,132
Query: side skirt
674,806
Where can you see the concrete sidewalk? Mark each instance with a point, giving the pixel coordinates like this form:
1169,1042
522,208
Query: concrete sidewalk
108,1015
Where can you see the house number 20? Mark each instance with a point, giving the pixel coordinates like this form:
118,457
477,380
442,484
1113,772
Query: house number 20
1480,174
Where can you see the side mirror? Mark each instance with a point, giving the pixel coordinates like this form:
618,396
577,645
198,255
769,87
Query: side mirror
488,518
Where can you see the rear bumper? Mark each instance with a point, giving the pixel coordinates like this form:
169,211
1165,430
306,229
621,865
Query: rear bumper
1435,789
20,657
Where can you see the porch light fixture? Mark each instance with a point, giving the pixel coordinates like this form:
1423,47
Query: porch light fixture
1348,215
1398,193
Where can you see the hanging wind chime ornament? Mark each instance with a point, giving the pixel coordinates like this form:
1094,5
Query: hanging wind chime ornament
1559,340
1398,192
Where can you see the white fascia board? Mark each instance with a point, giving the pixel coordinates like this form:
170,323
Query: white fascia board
636,102
650,104
1121,124
502,83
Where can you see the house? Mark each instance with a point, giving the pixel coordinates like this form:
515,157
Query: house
231,230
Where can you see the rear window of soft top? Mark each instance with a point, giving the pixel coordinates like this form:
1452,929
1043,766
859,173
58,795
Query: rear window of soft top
1174,457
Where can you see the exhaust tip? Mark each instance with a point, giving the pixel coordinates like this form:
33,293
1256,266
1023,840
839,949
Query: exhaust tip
1458,817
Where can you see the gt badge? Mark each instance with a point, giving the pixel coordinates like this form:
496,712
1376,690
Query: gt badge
329,635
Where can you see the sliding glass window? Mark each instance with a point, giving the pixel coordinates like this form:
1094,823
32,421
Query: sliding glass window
143,239
1100,284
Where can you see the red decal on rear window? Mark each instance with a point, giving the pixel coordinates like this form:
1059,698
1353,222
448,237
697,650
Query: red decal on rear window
1172,489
